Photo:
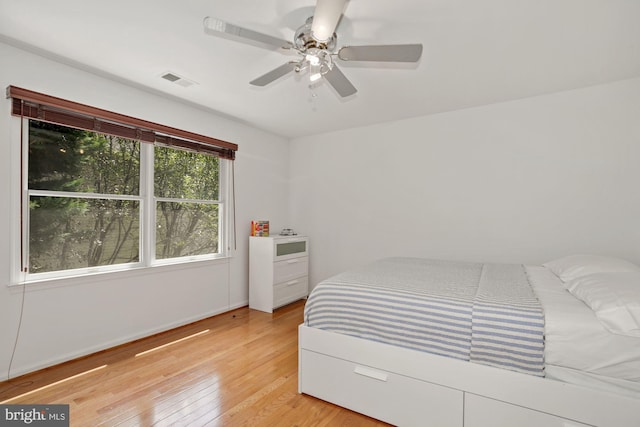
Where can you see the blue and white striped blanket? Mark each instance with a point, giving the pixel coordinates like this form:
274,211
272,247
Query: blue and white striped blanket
484,313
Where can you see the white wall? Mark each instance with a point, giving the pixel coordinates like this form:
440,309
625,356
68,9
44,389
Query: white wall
74,317
523,181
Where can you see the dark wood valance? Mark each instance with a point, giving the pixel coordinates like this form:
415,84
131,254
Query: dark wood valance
38,106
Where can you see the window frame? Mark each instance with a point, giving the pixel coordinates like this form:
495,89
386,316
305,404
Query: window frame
147,216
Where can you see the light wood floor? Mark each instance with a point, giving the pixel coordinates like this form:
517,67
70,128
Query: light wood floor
237,368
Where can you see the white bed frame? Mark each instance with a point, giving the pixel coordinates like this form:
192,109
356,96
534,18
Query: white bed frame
411,388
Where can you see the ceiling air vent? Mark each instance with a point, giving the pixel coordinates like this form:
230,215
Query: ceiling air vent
179,80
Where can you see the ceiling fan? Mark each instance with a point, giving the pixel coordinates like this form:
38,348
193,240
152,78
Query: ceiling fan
315,42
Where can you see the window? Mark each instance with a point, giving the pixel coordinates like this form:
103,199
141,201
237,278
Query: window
187,188
84,201
86,207
96,199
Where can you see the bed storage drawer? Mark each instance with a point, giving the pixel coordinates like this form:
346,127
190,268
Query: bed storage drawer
483,412
390,397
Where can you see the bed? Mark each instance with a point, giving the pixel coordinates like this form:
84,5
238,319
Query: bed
439,343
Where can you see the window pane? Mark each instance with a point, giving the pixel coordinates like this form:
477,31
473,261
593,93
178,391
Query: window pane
183,174
67,159
186,229
67,233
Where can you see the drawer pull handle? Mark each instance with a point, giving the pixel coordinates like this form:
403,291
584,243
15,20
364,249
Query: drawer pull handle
292,261
371,373
293,282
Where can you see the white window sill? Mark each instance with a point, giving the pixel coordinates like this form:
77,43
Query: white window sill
133,271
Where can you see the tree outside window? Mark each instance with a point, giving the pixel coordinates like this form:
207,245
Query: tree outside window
85,201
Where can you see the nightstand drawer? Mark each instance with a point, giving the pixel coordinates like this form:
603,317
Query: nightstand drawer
289,291
290,269
290,247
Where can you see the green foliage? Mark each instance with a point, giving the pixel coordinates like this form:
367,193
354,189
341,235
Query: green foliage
185,229
66,159
185,175
112,164
75,232
54,157
67,233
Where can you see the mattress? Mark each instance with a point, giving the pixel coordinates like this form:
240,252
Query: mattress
484,313
578,349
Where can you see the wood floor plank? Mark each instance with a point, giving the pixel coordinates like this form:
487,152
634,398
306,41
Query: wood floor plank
234,369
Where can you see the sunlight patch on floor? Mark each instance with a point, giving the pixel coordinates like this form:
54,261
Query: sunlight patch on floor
142,353
53,384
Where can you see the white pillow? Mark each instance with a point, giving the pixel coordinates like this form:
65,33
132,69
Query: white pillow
614,298
574,266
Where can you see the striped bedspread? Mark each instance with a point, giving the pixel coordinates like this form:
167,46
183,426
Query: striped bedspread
484,313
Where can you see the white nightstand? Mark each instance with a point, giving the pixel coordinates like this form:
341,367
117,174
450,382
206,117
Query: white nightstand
278,271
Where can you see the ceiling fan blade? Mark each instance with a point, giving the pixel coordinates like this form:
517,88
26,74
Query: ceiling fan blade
382,53
226,30
274,74
325,18
339,82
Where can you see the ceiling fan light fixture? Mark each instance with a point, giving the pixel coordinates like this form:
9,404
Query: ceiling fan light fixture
315,74
314,60
318,61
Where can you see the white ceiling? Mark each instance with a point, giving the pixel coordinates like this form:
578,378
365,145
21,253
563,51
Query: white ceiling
476,52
